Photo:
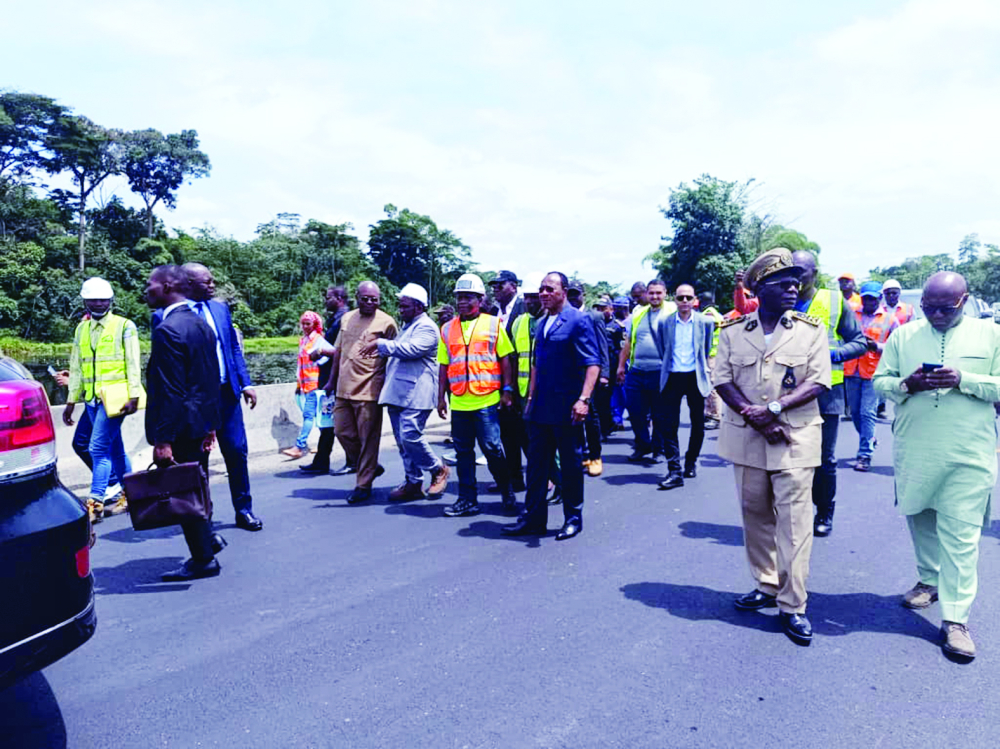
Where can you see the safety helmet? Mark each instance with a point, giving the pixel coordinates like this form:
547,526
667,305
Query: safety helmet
96,288
532,282
470,283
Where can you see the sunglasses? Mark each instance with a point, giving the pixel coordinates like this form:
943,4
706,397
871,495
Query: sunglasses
369,299
944,309
684,298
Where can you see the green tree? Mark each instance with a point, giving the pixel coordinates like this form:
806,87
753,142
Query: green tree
409,247
157,165
24,122
968,249
91,154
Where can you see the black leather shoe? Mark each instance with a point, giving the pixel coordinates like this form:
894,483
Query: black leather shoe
755,600
379,470
822,527
359,495
523,528
248,521
312,469
691,472
344,470
192,570
510,504
672,481
218,543
797,627
572,527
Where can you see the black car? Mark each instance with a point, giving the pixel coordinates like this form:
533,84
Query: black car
46,586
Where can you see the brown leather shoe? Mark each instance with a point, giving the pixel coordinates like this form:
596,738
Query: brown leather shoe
439,480
957,640
406,492
294,453
920,596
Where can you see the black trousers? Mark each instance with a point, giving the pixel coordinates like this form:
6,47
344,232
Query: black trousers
824,488
683,385
601,406
327,438
514,437
197,533
544,440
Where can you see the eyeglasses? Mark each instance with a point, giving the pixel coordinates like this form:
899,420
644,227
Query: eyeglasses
684,298
944,309
369,299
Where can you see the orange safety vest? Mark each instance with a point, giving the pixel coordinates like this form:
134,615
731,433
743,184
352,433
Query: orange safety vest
904,313
474,366
854,302
881,325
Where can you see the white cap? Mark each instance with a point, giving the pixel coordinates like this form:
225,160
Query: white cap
470,283
532,282
414,291
892,283
96,288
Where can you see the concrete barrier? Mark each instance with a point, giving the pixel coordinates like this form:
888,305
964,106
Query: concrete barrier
271,427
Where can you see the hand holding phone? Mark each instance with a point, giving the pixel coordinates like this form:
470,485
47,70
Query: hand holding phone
926,367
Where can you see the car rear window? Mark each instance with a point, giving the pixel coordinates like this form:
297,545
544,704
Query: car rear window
11,370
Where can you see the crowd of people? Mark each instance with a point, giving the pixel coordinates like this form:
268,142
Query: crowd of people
525,371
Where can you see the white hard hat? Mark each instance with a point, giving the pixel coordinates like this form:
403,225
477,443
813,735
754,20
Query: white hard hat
470,283
414,291
96,288
892,283
532,282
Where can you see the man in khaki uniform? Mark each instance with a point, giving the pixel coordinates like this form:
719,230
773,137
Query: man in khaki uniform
770,367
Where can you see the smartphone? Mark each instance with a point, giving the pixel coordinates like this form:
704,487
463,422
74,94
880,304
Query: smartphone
931,367
52,371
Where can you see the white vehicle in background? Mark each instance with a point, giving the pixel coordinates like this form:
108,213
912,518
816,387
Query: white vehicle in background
974,307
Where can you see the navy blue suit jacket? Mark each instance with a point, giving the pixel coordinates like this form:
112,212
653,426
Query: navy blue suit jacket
561,361
237,376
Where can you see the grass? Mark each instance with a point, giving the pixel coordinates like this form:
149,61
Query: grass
22,350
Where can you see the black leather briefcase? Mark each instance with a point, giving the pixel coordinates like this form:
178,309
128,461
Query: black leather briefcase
160,497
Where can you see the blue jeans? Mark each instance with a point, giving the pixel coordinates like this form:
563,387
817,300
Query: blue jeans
309,404
106,449
408,428
863,401
618,403
642,397
466,428
81,444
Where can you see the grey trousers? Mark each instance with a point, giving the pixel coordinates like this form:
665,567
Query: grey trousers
408,428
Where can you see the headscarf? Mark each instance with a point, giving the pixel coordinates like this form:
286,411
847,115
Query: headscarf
317,321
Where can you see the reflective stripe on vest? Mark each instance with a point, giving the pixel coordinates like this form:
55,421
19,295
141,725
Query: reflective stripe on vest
828,308
105,362
474,367
523,344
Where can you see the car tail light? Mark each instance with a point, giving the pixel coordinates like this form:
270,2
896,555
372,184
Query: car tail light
27,436
83,561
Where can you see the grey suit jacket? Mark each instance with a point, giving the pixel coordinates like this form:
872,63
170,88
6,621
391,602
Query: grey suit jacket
411,372
704,327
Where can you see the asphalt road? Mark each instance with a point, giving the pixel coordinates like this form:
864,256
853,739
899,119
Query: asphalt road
394,626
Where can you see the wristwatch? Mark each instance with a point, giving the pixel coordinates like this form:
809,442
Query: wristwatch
903,387
585,401
774,407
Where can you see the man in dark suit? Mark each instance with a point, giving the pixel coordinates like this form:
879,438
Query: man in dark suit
509,306
234,384
565,371
182,415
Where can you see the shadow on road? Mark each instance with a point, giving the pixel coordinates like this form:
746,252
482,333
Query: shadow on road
137,576
726,535
491,530
129,536
30,715
830,614
649,476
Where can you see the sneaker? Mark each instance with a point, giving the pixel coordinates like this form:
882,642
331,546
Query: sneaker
463,508
120,506
586,463
920,596
595,467
957,640
863,465
96,511
112,492
439,480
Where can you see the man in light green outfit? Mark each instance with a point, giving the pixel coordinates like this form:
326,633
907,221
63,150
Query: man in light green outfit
943,373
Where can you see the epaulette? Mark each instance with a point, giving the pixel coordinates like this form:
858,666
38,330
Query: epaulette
732,321
814,321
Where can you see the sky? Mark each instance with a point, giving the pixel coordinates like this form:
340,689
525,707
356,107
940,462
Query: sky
547,135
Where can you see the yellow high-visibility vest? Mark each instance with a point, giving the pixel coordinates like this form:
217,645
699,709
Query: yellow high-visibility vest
102,363
524,346
827,307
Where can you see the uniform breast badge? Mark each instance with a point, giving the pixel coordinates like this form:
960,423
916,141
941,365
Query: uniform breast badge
788,381
751,326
